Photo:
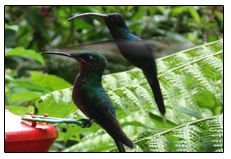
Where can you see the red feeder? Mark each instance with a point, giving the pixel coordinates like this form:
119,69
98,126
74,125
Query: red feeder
26,136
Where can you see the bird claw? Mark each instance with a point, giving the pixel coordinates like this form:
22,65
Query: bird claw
87,123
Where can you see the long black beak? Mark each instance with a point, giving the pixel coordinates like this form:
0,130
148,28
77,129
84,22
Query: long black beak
102,16
57,53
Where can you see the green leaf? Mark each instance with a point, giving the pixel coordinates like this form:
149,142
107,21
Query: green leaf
7,91
31,86
189,111
176,10
140,13
8,77
29,96
12,27
134,123
162,9
220,15
194,13
56,104
71,130
21,51
52,81
31,109
158,121
16,110
206,100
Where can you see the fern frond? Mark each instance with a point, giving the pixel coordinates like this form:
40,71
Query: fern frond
57,103
201,135
93,141
188,138
158,144
212,138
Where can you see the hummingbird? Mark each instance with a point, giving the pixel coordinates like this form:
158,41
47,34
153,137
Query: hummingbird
134,50
90,97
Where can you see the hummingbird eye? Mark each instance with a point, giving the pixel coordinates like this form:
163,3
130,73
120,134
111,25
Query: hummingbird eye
116,17
89,57
117,20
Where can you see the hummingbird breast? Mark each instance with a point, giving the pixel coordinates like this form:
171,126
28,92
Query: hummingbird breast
76,95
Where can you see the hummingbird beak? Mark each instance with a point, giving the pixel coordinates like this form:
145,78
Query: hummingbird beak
102,16
57,53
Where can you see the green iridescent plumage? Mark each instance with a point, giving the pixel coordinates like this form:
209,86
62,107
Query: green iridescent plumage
90,97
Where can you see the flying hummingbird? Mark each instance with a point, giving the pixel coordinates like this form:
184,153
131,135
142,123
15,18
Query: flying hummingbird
91,98
134,50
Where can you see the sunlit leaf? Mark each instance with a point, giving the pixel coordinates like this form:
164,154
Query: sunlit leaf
16,110
51,81
21,51
194,14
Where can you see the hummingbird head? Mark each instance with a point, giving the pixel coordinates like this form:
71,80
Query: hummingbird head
114,21
111,18
90,61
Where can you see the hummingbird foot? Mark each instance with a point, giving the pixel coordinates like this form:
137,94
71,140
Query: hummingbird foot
87,122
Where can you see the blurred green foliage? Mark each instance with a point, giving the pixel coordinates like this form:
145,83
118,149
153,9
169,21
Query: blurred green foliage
40,27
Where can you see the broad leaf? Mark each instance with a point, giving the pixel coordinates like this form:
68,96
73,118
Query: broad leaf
21,51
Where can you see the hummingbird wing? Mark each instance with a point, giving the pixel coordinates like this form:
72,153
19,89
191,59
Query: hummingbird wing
98,105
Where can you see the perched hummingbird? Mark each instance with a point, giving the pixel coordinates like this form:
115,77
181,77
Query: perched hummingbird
90,97
134,50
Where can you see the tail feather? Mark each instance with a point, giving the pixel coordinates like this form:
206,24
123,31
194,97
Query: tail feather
155,86
120,146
